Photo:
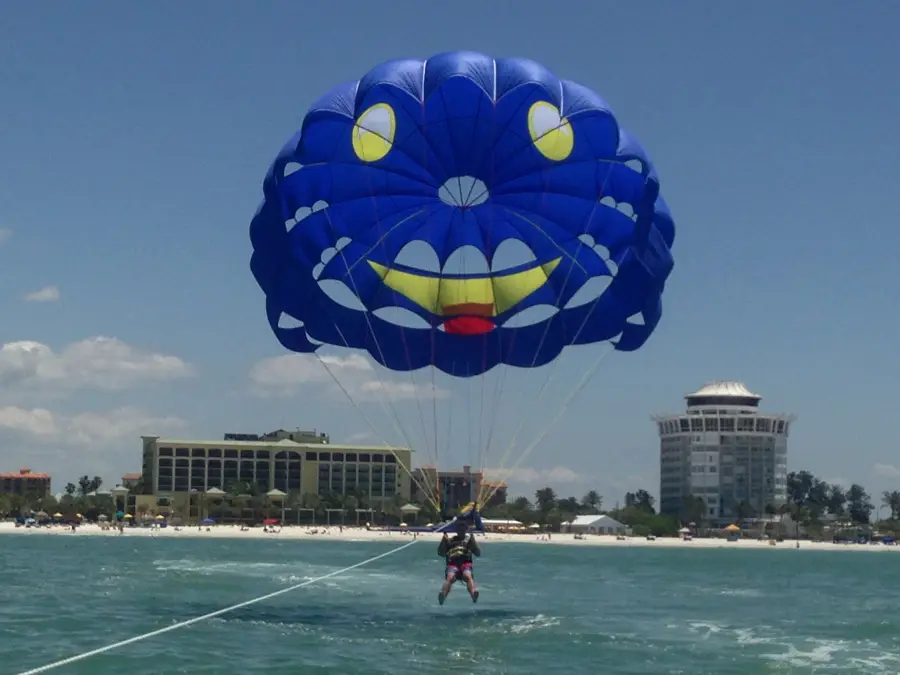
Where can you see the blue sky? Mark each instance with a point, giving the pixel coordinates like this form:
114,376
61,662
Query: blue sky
134,139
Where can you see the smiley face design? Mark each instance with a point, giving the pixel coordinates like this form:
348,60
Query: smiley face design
462,212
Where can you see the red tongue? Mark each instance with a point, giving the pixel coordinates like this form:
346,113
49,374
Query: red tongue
468,325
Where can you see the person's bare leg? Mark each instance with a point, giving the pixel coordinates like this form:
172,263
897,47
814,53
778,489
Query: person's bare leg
470,584
445,589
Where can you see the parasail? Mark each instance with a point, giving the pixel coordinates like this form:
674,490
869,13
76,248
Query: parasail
460,213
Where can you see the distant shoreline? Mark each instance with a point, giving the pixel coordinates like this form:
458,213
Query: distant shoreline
353,534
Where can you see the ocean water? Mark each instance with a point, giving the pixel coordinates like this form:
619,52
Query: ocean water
543,609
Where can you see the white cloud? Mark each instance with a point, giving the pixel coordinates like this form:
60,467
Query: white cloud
886,470
528,476
5,234
46,294
286,375
85,429
98,363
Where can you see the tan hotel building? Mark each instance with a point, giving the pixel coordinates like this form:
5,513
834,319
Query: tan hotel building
291,461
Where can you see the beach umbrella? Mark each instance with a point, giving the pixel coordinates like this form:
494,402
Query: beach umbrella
160,517
102,516
207,521
57,515
128,516
403,525
733,528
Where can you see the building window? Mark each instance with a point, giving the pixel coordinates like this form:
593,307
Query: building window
182,452
198,452
215,452
310,457
365,457
165,452
231,454
337,457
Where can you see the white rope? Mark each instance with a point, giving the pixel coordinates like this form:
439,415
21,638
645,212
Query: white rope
211,615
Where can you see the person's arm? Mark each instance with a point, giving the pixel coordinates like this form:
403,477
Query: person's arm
443,547
473,547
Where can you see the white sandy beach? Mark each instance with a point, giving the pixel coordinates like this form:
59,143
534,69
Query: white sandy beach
354,534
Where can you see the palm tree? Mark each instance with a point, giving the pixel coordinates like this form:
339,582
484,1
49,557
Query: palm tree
891,499
592,500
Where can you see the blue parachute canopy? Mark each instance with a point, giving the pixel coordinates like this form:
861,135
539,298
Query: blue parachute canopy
462,212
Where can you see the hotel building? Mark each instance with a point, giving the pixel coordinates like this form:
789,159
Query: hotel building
25,483
291,461
724,450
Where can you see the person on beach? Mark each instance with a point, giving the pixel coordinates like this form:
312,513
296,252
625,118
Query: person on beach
457,553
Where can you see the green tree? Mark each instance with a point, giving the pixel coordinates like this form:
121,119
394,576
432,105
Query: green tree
71,488
837,500
891,500
693,509
640,500
545,498
860,505
592,501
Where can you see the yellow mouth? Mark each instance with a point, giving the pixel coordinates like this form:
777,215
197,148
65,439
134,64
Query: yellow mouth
451,295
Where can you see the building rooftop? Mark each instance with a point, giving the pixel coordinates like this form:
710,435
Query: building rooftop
24,473
724,389
283,443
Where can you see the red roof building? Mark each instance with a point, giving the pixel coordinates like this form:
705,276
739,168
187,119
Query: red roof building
25,483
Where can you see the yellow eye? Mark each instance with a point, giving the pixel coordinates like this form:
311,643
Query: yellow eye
551,133
373,133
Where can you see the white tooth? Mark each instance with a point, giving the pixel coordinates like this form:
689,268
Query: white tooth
341,294
291,167
615,340
636,319
611,266
317,270
466,260
400,316
289,322
328,254
606,201
319,205
342,242
626,208
289,224
592,289
511,253
603,252
635,165
531,316
302,212
419,255
587,240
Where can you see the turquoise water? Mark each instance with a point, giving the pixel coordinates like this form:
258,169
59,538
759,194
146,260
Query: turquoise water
543,609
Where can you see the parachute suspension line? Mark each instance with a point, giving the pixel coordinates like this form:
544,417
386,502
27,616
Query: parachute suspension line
399,427
553,368
374,428
586,378
210,615
429,446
